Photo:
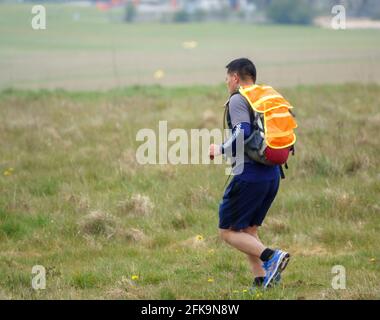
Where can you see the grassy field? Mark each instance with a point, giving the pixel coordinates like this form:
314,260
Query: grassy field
98,51
73,198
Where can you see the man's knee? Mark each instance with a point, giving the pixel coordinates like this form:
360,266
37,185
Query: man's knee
253,231
224,234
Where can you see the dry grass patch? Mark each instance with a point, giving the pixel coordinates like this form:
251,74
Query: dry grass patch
135,235
98,223
137,204
277,225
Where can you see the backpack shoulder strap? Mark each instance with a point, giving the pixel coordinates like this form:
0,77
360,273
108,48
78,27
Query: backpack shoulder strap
250,110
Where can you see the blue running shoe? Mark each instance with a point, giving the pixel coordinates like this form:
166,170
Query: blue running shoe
274,266
276,280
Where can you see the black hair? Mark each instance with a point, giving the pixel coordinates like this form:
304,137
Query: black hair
243,67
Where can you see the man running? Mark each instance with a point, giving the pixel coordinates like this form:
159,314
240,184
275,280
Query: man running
250,194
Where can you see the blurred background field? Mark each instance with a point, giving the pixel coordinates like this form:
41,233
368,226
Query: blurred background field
74,199
84,48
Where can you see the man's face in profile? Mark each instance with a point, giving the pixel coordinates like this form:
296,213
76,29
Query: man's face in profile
232,81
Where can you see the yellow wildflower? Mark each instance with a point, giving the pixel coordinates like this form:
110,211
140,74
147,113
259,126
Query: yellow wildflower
199,237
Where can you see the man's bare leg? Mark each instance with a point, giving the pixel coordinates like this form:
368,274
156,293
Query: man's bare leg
243,241
255,262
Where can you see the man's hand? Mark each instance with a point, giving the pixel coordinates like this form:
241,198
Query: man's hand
214,150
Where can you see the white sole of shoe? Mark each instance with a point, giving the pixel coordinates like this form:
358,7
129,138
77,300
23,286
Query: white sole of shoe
280,267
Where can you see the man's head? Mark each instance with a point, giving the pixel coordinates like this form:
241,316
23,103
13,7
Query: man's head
240,72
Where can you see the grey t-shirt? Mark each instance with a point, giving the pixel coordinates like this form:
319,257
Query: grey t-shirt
238,111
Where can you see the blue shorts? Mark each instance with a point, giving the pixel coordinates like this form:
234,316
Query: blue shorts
246,203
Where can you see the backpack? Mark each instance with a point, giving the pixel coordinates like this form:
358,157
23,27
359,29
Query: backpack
273,123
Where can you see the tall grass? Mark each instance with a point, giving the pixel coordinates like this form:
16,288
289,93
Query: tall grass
73,198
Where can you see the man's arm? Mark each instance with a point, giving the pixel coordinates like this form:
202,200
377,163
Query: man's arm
241,129
240,120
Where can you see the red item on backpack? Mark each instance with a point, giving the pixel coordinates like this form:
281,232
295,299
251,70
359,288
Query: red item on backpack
277,156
